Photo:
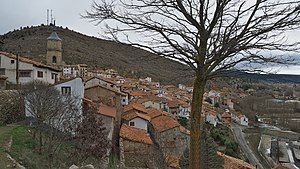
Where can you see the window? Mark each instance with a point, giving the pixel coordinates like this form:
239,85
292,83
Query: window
40,74
12,61
54,59
24,73
53,75
65,90
131,123
2,71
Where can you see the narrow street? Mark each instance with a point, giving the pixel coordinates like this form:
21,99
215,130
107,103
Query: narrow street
240,138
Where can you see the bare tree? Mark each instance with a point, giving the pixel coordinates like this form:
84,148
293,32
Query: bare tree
210,36
54,117
11,107
92,137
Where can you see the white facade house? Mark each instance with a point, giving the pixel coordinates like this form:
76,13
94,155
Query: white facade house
73,88
70,71
139,122
243,120
184,111
28,70
211,119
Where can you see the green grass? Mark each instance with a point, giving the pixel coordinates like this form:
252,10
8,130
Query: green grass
22,151
4,138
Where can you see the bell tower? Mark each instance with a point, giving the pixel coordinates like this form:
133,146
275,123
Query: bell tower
54,51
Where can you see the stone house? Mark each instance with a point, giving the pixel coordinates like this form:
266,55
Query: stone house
108,116
28,70
102,81
104,94
136,120
169,134
137,147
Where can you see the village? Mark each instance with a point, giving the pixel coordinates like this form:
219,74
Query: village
152,118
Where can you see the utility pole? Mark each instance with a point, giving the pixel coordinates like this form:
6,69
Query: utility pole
17,68
17,71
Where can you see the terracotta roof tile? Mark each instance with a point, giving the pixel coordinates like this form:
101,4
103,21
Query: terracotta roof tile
135,106
164,122
22,59
107,111
135,134
132,115
173,103
153,113
234,163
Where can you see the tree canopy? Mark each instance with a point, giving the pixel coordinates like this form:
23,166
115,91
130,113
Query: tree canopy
211,36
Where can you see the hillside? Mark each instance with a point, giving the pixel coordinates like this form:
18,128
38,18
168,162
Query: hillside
97,53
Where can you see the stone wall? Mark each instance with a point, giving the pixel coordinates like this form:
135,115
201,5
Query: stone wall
134,155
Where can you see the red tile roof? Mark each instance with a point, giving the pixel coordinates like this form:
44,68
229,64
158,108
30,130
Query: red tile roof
133,115
135,106
173,103
234,163
107,111
152,112
164,122
135,134
22,59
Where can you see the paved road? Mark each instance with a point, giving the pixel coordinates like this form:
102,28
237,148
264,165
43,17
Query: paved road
240,138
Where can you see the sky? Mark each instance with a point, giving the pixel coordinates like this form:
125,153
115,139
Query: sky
19,13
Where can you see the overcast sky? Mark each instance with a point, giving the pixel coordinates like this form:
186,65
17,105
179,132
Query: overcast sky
17,13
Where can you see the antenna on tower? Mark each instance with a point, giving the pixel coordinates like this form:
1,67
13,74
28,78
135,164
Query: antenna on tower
51,17
47,16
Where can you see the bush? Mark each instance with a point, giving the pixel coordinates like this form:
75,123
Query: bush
12,107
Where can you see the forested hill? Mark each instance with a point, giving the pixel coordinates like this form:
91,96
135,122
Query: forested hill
272,78
96,53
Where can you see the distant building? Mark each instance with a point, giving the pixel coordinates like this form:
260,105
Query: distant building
28,70
54,51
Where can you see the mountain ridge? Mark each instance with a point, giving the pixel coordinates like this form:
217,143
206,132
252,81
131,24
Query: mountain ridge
31,42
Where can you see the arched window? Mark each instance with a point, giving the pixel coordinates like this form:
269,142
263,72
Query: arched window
54,59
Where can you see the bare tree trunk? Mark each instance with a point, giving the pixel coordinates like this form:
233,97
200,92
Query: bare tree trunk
34,139
40,142
195,159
